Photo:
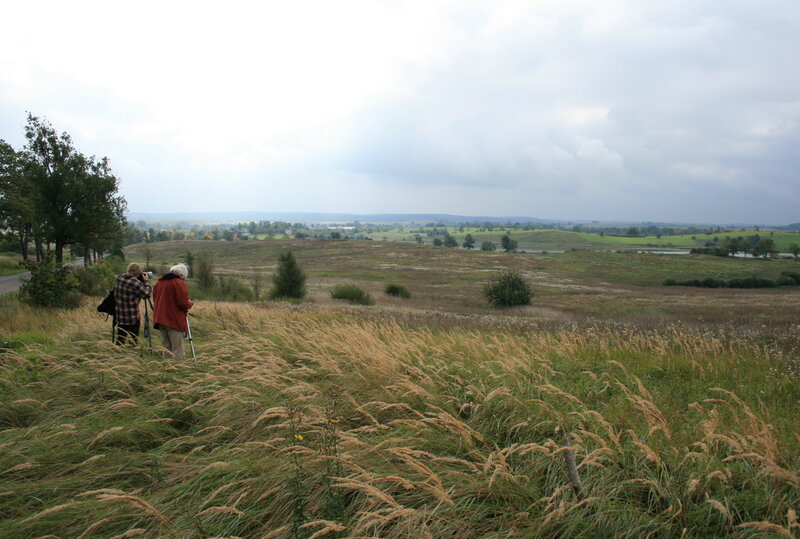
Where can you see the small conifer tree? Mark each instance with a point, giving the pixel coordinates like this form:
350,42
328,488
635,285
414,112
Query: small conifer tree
289,280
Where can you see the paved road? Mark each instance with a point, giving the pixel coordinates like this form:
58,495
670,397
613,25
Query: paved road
11,283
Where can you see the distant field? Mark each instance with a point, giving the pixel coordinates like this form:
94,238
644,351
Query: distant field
544,239
602,284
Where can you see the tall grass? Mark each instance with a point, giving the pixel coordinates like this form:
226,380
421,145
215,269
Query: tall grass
304,422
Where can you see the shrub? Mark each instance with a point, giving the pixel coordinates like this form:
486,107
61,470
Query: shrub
353,294
751,282
50,285
100,277
232,289
204,271
397,290
289,280
710,282
670,282
507,290
793,275
488,246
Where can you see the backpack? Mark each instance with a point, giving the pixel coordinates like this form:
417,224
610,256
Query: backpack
109,305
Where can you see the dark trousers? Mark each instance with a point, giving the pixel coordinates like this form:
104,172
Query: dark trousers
128,332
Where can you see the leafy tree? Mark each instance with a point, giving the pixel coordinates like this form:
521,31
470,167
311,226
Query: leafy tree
469,242
765,247
487,245
17,212
508,244
437,242
289,281
450,241
795,250
508,289
731,246
74,197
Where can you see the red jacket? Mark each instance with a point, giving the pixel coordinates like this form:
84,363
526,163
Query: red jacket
171,302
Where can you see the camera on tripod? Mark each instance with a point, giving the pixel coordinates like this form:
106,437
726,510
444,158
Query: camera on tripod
149,274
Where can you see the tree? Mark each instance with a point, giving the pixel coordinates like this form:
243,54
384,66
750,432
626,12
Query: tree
289,281
731,246
487,245
449,241
508,244
469,242
16,205
795,250
74,197
765,247
437,242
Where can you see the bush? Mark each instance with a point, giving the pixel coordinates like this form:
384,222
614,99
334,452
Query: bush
353,294
289,280
50,285
793,275
100,277
507,290
397,290
232,289
751,282
670,282
204,271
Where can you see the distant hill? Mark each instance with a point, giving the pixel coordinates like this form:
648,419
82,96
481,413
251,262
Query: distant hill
309,217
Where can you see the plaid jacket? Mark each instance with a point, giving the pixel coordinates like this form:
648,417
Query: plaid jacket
128,292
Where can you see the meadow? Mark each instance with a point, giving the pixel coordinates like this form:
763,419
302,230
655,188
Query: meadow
562,240
611,407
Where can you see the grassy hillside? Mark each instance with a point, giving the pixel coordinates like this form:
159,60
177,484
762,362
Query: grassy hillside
574,285
346,422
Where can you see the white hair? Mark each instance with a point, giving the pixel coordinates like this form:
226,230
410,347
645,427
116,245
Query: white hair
180,269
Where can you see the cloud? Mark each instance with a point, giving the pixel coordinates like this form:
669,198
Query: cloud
557,108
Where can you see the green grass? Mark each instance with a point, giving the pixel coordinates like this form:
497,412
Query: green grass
292,417
10,264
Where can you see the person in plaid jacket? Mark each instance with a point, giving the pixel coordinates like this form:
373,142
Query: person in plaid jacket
131,287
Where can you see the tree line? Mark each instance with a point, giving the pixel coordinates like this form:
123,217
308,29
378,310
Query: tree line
53,196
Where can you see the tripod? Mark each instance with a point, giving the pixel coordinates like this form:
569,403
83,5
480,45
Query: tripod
147,333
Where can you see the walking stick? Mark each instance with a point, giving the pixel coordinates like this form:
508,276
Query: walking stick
189,336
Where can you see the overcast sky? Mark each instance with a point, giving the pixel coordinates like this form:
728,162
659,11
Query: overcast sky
607,110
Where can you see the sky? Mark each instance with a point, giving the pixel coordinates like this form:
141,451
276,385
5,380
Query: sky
680,111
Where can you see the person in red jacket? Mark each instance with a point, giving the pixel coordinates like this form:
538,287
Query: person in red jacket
171,306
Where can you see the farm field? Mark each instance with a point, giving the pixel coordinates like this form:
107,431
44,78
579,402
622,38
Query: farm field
435,416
